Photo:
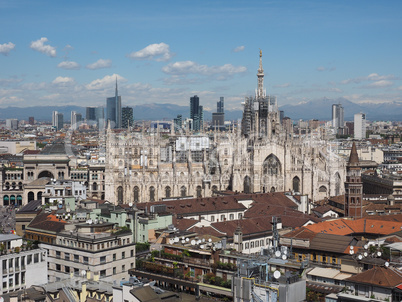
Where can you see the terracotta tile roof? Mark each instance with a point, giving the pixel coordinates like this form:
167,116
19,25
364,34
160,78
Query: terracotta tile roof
331,243
358,226
379,276
207,231
198,205
47,222
301,233
248,226
183,224
322,209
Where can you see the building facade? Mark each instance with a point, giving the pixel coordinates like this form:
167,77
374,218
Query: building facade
360,126
259,157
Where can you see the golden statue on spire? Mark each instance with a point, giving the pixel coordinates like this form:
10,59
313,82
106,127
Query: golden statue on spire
260,53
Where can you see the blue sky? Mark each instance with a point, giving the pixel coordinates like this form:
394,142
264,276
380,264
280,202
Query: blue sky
70,52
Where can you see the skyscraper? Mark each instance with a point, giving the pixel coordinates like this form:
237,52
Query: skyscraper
113,110
360,126
127,117
31,120
220,105
96,114
218,117
337,116
76,120
178,123
57,120
196,113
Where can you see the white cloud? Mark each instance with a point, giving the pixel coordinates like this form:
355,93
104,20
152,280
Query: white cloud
62,81
239,48
399,88
69,65
157,52
106,82
370,77
321,68
190,67
101,63
6,48
380,84
39,45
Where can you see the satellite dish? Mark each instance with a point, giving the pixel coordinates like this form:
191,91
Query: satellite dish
277,274
352,247
365,254
351,252
202,246
171,241
284,257
187,240
130,204
209,240
203,239
193,242
277,254
366,246
183,241
176,239
379,254
360,257
199,241
386,264
183,238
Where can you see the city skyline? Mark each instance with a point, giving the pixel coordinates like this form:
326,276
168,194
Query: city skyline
64,53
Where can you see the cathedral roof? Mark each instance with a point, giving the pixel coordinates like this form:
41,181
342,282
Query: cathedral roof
354,158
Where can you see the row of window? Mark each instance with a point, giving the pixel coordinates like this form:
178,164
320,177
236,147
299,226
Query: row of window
20,262
231,217
14,176
255,244
90,246
14,280
85,259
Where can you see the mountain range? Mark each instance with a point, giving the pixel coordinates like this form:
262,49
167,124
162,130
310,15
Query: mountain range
320,109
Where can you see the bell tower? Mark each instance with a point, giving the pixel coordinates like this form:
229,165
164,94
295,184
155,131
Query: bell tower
353,186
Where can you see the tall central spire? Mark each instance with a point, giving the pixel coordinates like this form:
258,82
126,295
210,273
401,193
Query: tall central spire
260,75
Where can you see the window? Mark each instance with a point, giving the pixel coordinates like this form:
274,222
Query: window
212,218
222,217
114,257
66,256
123,268
85,260
231,216
76,258
58,254
67,269
103,273
114,271
123,255
132,253
103,259
58,267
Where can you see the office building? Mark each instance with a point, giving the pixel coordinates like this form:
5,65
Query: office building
96,115
90,114
360,126
57,120
76,120
196,113
337,116
31,120
220,105
218,117
178,122
113,110
12,124
127,117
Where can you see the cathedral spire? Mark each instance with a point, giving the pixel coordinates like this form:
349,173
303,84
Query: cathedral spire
260,75
354,157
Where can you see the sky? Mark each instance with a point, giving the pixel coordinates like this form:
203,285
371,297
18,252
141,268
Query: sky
72,52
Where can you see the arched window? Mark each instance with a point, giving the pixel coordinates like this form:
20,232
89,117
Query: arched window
322,189
152,193
120,194
94,186
6,200
39,195
12,199
271,165
296,184
136,194
183,191
31,196
19,200
247,185
226,162
168,192
273,190
199,192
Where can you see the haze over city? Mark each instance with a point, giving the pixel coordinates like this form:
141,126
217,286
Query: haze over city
70,53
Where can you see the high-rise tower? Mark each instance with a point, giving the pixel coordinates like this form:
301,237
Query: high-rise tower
260,75
196,113
360,125
353,186
113,110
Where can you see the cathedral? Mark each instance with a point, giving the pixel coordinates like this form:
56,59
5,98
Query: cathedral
259,155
